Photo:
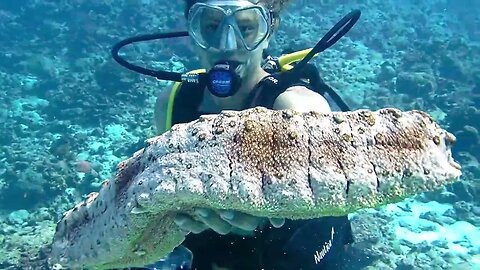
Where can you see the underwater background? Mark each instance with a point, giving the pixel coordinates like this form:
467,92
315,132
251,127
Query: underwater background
69,113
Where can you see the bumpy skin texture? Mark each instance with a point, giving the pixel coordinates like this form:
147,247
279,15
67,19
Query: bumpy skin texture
258,161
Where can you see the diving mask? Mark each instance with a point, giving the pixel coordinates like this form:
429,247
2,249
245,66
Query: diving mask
229,25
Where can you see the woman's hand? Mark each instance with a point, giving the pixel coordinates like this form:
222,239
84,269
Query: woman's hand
223,221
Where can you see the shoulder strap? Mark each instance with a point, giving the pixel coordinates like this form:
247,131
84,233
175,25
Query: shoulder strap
183,104
170,105
267,91
183,101
270,87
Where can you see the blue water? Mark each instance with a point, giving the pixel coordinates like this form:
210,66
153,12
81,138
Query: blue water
69,113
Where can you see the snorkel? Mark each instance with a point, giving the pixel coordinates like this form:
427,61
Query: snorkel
221,80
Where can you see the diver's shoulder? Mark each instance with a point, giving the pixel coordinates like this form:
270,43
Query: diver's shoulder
302,99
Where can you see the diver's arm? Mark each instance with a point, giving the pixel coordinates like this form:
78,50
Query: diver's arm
161,110
301,99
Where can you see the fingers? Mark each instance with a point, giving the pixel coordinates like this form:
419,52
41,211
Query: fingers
277,222
223,222
241,220
238,231
213,220
188,224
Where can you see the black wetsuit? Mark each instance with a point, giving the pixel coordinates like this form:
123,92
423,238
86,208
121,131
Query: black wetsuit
297,245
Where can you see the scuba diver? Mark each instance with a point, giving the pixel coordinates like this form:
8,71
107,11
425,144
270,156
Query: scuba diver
230,38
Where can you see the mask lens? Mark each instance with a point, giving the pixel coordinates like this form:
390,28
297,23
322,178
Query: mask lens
204,25
228,27
252,26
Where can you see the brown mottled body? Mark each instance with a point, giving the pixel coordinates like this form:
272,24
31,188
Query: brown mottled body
258,161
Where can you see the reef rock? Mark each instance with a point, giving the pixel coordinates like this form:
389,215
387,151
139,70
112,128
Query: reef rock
258,161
